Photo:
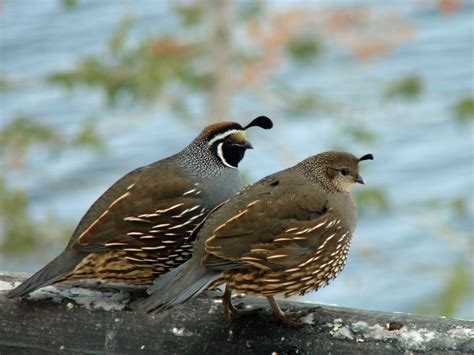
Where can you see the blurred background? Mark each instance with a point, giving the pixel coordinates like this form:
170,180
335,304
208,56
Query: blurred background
90,90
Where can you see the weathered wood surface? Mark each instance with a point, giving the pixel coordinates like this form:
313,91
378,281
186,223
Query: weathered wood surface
74,321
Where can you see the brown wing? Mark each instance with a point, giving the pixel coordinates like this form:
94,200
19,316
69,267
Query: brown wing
149,214
276,230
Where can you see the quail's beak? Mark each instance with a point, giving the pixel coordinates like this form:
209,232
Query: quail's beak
245,144
358,179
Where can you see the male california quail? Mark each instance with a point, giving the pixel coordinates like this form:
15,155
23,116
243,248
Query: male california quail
287,234
140,227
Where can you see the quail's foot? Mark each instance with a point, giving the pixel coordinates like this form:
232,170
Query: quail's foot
231,312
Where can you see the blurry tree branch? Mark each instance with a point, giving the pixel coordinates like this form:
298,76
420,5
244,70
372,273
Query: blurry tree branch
221,51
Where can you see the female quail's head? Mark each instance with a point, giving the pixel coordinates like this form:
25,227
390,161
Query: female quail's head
335,171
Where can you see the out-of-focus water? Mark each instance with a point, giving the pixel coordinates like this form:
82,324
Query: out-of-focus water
397,260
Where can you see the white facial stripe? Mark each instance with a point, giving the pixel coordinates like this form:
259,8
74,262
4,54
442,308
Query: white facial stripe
220,154
224,135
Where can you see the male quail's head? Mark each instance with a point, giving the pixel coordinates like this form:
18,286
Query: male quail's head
287,234
226,142
141,226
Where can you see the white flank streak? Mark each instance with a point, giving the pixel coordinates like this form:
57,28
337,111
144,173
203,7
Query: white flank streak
253,203
325,242
179,225
277,256
193,208
258,250
342,237
189,192
135,219
161,225
114,244
309,260
330,224
132,249
170,208
154,248
148,215
283,239
303,231
185,211
196,216
318,225
271,280
131,234
148,237
131,186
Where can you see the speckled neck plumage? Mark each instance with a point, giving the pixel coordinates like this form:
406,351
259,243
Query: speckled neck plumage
315,171
198,161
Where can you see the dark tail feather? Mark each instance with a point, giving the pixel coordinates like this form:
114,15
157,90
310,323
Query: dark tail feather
62,264
177,286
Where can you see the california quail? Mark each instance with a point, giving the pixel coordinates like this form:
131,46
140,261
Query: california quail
140,227
287,234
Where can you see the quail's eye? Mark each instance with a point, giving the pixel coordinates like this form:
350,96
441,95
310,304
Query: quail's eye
228,141
345,172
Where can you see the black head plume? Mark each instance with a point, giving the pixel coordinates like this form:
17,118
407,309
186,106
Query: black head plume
366,157
261,121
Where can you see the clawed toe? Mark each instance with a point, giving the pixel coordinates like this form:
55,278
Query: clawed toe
231,312
288,318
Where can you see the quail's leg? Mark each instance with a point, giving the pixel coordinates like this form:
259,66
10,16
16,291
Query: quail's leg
230,310
285,317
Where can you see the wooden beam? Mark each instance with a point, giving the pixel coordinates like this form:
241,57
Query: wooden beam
89,320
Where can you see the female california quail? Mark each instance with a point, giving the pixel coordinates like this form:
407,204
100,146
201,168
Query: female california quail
287,234
140,227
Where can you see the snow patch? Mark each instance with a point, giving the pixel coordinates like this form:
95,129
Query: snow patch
180,332
316,304
375,332
343,333
89,299
8,285
408,338
308,319
461,333
212,309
